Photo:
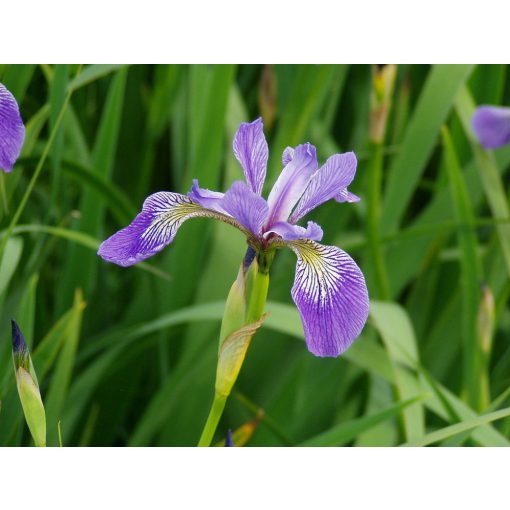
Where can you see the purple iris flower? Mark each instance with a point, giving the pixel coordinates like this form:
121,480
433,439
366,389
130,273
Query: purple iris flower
329,288
491,125
12,130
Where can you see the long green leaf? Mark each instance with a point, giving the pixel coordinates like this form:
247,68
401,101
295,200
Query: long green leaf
458,428
345,432
470,274
436,101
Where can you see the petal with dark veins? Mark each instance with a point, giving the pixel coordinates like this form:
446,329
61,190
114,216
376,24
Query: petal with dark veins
12,130
331,295
155,227
250,149
330,181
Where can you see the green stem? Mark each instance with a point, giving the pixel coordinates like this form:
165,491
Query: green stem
373,213
212,420
3,193
257,285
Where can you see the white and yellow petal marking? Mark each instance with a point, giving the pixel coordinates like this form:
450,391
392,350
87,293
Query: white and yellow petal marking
155,227
331,295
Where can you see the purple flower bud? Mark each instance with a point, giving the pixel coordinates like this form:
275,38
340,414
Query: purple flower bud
229,441
19,348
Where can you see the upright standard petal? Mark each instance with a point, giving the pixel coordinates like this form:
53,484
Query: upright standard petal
248,208
330,181
491,125
331,295
292,183
250,149
155,227
12,130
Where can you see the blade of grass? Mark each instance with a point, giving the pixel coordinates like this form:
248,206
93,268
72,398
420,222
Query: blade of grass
470,275
92,73
397,333
61,380
83,240
33,180
345,432
452,430
434,105
488,173
80,269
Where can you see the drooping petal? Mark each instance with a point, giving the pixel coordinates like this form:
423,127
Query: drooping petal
12,130
289,232
205,197
155,227
250,149
331,295
330,181
248,208
491,125
291,183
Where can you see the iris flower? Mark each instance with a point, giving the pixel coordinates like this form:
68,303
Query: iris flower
12,130
329,288
491,125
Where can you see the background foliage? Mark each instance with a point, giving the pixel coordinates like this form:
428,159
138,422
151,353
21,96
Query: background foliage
127,356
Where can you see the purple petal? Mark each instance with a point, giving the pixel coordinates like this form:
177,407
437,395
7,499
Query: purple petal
347,196
330,181
229,441
289,232
246,206
331,295
206,198
491,125
250,149
287,156
12,130
292,183
155,227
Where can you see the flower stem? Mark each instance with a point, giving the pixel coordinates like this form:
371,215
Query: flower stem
373,214
256,284
213,419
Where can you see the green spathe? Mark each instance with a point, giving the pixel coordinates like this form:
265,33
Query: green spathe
33,407
243,315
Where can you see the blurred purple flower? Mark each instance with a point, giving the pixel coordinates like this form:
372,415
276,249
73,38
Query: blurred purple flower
329,288
229,441
12,130
491,125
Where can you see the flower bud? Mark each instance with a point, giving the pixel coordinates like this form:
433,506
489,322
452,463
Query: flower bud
28,387
485,321
383,81
229,441
268,95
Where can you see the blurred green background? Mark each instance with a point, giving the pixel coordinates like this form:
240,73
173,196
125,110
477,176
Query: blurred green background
127,356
